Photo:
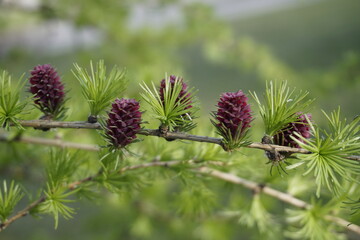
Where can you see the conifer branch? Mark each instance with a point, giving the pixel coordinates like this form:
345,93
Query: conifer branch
21,213
75,184
43,124
342,222
284,197
49,142
40,124
257,187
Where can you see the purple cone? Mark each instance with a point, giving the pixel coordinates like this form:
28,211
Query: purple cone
124,122
184,95
301,127
47,88
234,113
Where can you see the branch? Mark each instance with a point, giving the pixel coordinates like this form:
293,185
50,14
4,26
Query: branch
166,164
168,135
342,222
75,184
21,213
49,142
284,197
58,124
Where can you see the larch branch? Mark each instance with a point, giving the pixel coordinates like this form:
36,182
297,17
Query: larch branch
21,213
284,197
168,135
49,142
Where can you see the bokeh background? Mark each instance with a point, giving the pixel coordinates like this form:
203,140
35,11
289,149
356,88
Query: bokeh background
216,46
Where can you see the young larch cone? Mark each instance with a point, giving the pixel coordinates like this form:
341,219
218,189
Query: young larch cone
184,98
184,95
124,122
233,117
301,126
47,88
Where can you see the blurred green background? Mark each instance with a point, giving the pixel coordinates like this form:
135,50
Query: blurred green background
216,46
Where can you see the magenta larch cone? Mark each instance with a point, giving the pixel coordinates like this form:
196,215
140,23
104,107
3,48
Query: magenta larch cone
234,113
124,122
301,126
47,88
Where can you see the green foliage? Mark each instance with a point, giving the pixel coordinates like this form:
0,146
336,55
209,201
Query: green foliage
98,88
61,167
354,206
9,197
258,216
117,182
157,149
110,160
341,129
311,223
329,150
55,203
281,106
205,152
196,201
142,227
230,142
298,185
10,104
175,113
58,113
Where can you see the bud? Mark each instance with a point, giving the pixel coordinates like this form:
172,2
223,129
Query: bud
47,88
124,122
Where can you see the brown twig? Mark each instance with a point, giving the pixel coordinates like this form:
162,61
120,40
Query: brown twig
167,135
21,213
342,222
285,197
58,124
49,142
